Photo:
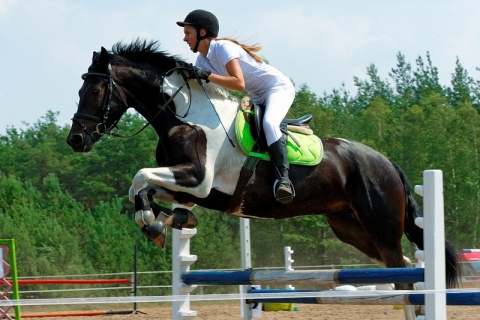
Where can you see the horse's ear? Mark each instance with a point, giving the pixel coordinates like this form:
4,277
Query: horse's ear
103,56
95,56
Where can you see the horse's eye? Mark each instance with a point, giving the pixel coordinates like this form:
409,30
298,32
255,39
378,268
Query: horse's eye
95,92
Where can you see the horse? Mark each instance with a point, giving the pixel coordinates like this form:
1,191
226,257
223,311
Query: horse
365,198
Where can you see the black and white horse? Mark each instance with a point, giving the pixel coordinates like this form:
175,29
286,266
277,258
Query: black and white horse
365,198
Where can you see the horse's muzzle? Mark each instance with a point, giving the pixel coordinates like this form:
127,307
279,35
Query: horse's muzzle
79,142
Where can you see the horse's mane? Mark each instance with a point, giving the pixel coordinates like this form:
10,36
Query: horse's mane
143,52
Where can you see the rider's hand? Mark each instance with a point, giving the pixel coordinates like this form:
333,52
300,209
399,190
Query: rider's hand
199,74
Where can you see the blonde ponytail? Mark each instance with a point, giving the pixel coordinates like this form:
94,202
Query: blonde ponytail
250,49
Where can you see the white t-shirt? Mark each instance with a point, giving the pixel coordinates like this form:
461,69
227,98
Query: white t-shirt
259,77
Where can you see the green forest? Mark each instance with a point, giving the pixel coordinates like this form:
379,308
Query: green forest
69,213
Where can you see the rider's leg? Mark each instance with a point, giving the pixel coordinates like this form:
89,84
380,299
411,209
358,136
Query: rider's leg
282,188
277,104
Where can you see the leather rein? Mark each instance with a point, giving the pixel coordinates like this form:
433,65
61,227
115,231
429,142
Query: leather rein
101,127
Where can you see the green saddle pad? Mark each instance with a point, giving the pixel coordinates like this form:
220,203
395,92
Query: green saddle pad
309,153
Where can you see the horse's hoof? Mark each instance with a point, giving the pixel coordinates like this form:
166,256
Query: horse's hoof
160,241
157,233
144,217
183,218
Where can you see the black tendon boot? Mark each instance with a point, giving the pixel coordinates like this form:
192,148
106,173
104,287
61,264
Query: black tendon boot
282,188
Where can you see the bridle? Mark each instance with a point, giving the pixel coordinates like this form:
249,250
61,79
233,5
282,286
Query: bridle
101,127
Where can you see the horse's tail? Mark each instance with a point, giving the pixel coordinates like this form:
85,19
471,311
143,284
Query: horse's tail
415,233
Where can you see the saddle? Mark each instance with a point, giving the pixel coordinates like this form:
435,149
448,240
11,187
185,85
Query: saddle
303,147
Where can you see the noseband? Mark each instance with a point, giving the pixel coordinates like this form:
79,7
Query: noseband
101,127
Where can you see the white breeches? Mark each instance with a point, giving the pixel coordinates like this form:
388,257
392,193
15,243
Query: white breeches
277,103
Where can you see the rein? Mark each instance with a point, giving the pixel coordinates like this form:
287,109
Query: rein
101,127
164,106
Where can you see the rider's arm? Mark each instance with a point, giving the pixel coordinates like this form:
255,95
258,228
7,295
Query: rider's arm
234,81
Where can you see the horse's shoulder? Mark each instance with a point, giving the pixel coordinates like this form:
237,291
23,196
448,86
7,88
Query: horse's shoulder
219,92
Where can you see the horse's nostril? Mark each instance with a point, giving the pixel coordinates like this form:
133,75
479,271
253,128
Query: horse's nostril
75,140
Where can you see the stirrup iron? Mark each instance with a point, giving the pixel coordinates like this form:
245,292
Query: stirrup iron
285,199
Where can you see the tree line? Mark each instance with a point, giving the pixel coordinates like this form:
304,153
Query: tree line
69,213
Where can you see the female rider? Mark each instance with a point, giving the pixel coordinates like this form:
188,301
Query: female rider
235,66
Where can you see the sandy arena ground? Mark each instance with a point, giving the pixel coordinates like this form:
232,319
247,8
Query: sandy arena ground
231,310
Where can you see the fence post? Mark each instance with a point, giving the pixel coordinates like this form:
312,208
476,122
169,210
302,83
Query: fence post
434,243
181,261
246,260
7,247
288,264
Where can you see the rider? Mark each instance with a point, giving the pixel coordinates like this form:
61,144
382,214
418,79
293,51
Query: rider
235,66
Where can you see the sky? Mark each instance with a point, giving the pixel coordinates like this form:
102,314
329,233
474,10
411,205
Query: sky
45,45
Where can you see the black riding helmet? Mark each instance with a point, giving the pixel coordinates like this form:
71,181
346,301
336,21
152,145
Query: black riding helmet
201,19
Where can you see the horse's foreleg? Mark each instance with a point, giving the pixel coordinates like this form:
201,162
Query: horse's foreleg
177,218
181,178
143,204
154,218
154,229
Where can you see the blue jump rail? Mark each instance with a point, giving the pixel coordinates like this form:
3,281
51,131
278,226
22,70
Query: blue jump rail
326,277
454,298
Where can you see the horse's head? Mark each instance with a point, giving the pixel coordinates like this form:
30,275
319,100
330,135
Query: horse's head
102,103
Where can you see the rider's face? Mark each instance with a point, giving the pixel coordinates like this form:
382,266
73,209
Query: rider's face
190,36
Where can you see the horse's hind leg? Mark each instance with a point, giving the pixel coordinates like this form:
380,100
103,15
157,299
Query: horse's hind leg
348,229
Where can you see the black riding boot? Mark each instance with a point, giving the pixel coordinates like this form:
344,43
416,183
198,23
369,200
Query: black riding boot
282,188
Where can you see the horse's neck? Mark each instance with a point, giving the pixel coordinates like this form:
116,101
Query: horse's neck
191,103
204,106
143,93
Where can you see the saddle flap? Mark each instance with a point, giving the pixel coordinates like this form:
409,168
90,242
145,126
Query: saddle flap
257,132
302,149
